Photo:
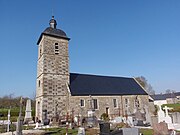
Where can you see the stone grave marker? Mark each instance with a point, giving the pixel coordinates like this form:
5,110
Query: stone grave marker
130,131
28,115
168,119
46,121
176,117
104,128
160,128
147,114
81,131
161,115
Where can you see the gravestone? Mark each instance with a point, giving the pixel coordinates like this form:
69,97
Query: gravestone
130,131
28,115
139,118
160,128
117,119
176,117
91,113
9,122
81,131
104,128
37,125
147,115
161,115
168,119
128,120
46,121
91,121
19,123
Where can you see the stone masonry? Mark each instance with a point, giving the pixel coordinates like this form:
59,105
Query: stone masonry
52,77
125,104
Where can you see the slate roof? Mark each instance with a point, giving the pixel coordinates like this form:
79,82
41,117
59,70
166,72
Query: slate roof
177,93
95,85
163,96
54,33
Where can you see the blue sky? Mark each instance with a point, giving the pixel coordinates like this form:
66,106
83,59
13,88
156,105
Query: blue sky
121,38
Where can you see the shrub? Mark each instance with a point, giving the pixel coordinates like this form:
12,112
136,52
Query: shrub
105,117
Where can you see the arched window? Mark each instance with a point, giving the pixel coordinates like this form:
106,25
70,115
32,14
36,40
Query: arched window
56,48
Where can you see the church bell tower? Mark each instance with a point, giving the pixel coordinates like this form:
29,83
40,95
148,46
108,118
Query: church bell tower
52,72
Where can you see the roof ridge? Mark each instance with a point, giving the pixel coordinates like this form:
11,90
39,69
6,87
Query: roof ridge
102,75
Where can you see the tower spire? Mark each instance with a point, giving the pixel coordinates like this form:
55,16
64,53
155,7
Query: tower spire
53,23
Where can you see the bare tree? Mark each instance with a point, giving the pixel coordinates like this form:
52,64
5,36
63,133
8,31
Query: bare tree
144,83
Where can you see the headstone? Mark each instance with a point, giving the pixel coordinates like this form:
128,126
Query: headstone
9,122
19,121
160,128
117,120
147,114
46,121
128,120
176,117
28,116
90,113
168,119
91,121
130,131
37,125
81,131
104,128
139,116
161,115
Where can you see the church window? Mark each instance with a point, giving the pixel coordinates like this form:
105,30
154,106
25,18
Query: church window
136,102
82,103
95,104
39,83
115,103
126,102
56,48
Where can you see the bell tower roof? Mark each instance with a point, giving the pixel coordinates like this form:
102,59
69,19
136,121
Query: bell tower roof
53,31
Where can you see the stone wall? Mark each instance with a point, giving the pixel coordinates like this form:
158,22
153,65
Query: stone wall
107,102
52,76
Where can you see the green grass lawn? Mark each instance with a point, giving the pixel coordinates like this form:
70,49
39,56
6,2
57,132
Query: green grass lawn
61,131
146,131
14,113
176,107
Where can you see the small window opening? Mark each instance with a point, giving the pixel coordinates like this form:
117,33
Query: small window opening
115,103
82,103
126,102
95,104
56,48
39,83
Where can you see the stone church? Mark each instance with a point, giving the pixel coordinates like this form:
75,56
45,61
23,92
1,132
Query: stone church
59,91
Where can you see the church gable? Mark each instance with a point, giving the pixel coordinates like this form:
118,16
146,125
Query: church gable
85,85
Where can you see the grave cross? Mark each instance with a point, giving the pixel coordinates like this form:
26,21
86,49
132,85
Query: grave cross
166,109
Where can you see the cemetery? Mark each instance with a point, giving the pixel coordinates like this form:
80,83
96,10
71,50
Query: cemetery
86,104
165,123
